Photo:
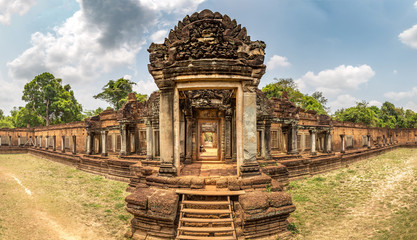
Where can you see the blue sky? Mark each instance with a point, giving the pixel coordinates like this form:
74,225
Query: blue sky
351,50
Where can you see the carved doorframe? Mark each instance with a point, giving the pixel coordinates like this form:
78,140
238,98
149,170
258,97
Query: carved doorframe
201,121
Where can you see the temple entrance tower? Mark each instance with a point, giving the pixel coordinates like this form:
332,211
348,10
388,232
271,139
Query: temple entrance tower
207,63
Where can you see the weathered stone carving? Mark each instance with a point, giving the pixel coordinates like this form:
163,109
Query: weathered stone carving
210,98
207,43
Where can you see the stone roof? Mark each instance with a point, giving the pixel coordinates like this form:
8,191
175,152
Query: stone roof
206,43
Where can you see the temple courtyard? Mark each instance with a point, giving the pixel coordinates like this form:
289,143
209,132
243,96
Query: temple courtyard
372,199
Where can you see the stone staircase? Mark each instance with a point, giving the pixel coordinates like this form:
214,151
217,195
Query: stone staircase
206,215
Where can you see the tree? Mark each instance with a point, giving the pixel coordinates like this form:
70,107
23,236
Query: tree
361,113
140,97
115,91
314,102
49,99
91,113
24,117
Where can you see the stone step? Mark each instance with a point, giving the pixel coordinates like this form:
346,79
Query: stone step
205,211
205,202
206,229
206,238
210,193
206,220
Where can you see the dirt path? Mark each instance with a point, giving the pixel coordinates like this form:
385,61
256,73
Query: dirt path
37,202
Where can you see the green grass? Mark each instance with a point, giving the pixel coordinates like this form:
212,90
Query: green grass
372,199
82,205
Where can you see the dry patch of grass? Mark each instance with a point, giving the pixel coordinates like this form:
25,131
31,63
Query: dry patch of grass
63,203
372,199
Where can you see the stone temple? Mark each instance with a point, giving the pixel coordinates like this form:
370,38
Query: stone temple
208,155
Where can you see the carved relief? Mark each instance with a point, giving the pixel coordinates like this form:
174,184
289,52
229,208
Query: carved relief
210,98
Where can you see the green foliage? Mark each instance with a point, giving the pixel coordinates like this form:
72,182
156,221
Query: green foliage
315,102
49,99
387,116
91,113
140,97
25,117
116,92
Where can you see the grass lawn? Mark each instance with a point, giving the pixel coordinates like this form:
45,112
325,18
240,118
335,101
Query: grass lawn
41,199
371,199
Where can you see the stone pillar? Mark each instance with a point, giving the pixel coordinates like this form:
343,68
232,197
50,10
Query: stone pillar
397,138
166,129
10,140
328,141
54,143
177,135
390,139
267,139
148,139
123,136
189,139
0,141
104,143
89,142
63,144
47,142
182,136
368,141
18,141
246,132
74,144
292,139
227,140
35,144
342,138
40,142
313,133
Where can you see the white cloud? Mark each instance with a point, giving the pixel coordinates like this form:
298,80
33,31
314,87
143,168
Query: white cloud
415,4
277,61
375,103
10,7
102,36
409,37
411,105
159,36
145,87
401,95
343,101
334,81
172,6
395,71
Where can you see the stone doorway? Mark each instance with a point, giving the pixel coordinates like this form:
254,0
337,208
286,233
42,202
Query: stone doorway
208,141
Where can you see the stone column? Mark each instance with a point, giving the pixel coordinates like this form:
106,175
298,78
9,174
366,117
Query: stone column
18,141
246,132
148,139
0,141
397,138
189,139
89,142
54,143
35,143
123,136
63,144
104,143
166,129
292,139
74,144
342,138
40,142
182,136
262,141
47,142
228,139
177,135
368,141
267,139
313,133
328,141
